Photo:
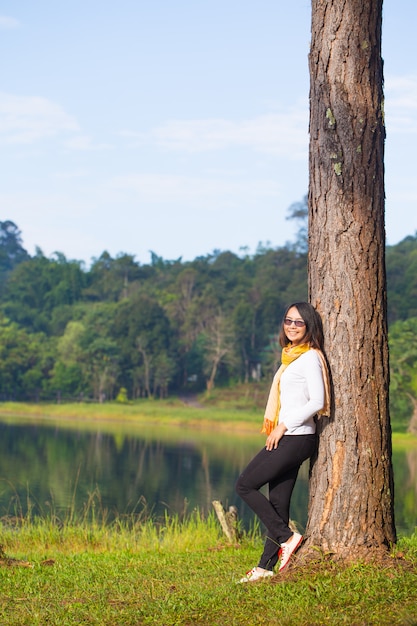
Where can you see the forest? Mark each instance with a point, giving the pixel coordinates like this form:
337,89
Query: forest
125,330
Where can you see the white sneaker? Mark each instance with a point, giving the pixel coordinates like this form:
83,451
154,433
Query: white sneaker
254,574
288,548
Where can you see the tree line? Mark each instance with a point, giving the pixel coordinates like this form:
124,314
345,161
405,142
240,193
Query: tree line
126,330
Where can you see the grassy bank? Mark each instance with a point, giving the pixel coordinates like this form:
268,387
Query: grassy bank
238,407
185,573
194,412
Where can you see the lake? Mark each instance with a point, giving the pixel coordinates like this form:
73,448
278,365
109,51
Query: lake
121,470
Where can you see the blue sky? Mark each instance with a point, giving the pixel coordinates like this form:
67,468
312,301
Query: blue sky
179,127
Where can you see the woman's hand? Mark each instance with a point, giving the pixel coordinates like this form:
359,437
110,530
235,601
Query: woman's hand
273,439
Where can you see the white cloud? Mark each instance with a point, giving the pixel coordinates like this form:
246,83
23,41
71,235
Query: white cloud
283,134
198,192
25,119
72,174
7,23
137,137
51,206
84,143
401,103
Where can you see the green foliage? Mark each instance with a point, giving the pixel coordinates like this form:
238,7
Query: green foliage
11,251
141,329
181,572
122,396
150,329
38,286
403,368
168,326
401,261
25,361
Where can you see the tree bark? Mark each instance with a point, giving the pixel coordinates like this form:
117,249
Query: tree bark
351,489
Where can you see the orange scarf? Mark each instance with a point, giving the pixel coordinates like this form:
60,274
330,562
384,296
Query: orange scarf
289,354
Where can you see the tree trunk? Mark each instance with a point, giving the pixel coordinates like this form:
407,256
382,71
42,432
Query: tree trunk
351,490
412,427
146,365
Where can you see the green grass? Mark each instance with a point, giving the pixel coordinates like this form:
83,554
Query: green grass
171,412
238,406
185,573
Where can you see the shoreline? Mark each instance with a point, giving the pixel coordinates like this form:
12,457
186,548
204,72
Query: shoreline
152,414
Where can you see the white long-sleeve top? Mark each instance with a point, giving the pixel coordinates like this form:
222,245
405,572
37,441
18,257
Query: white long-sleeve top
301,394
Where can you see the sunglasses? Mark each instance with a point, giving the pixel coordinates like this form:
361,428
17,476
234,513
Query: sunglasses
298,323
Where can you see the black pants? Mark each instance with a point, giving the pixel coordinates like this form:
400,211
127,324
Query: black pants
279,468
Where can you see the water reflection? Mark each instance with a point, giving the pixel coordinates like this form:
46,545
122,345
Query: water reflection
175,470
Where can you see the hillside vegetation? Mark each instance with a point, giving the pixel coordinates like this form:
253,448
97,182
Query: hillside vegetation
125,330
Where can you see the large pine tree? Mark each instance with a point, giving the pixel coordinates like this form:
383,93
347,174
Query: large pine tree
351,499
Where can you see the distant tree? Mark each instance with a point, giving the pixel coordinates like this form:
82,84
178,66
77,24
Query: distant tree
39,286
110,280
218,346
67,376
164,371
244,324
11,250
142,331
281,278
351,509
271,356
182,308
402,279
98,350
403,352
298,211
102,366
25,361
142,345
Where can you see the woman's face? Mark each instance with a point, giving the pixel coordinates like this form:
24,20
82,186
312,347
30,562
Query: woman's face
294,333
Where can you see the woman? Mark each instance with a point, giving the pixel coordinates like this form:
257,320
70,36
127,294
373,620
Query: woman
299,391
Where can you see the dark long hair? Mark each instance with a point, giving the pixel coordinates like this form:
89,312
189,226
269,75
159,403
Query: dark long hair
314,326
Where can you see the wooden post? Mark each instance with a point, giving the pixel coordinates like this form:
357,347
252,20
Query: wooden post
228,521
